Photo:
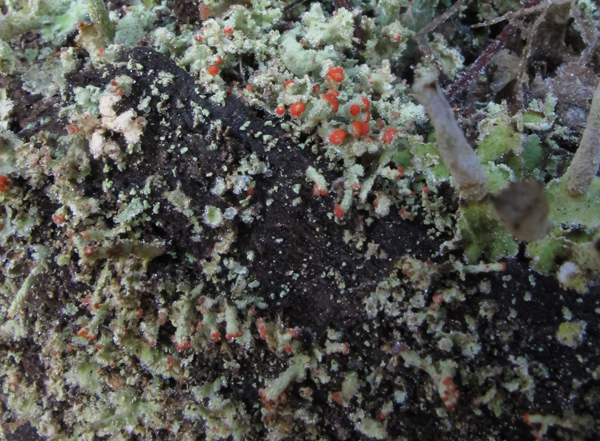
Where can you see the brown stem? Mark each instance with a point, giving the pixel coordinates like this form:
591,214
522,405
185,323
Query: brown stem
442,18
342,4
507,33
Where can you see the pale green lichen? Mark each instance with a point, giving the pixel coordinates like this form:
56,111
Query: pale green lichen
134,26
295,373
571,333
6,107
545,422
55,18
213,217
127,371
300,61
99,14
337,30
7,58
371,428
48,76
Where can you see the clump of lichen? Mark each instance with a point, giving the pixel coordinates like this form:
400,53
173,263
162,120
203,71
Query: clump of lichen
175,264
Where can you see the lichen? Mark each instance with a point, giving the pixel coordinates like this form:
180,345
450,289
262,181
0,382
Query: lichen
232,220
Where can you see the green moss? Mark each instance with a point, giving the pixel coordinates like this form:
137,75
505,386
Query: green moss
403,158
534,120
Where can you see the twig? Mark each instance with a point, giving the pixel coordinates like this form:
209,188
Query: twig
507,33
428,52
293,5
516,14
442,18
527,50
241,69
342,4
585,30
420,36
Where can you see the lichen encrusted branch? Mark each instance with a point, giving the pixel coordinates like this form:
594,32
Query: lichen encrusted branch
585,164
458,155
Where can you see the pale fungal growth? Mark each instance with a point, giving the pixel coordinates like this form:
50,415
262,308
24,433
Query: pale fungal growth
98,14
106,103
459,157
127,123
567,271
100,146
585,163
